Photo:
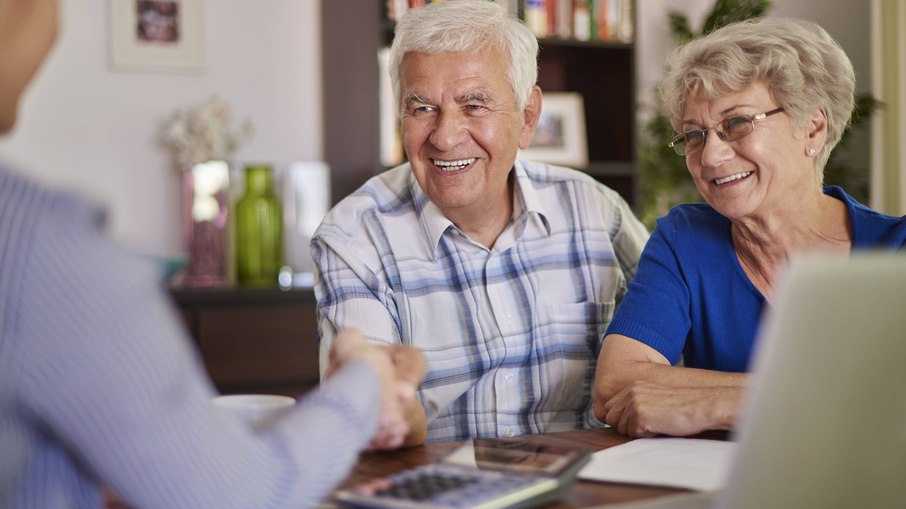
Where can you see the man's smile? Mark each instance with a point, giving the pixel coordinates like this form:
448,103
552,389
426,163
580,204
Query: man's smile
456,165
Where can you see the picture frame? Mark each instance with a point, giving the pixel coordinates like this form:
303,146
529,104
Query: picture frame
156,35
560,137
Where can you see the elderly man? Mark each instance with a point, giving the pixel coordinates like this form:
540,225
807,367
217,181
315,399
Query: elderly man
504,273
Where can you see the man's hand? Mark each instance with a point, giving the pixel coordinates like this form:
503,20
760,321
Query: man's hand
399,369
645,409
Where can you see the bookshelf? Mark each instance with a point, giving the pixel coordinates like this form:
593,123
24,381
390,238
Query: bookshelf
353,31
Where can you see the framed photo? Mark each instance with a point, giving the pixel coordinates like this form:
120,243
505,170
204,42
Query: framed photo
156,35
560,137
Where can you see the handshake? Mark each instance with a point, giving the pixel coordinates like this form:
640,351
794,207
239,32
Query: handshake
399,370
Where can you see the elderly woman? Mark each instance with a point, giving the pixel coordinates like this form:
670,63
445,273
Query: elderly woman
759,106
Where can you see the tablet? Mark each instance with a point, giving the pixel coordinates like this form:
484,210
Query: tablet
516,455
482,474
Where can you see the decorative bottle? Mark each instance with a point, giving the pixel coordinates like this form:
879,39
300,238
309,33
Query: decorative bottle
259,230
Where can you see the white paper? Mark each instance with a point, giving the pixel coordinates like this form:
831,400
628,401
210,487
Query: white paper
692,463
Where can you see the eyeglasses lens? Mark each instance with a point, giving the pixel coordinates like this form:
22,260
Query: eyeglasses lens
730,129
734,128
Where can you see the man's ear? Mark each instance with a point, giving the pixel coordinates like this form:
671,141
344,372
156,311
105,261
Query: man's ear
816,132
530,114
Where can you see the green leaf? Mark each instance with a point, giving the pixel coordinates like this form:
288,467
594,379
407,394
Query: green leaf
679,27
725,12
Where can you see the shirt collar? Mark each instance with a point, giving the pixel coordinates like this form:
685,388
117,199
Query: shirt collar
530,198
434,223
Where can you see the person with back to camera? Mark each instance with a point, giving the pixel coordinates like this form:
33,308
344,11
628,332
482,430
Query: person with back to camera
503,272
99,385
759,106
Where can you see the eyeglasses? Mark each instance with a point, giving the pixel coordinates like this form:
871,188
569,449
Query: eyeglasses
728,129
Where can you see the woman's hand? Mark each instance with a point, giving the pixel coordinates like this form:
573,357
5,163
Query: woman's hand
639,393
645,409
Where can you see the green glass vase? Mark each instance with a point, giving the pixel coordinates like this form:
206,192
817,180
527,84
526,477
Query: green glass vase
259,230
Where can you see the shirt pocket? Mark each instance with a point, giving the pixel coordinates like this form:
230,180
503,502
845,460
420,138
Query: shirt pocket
575,322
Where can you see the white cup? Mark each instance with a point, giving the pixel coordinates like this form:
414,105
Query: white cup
254,409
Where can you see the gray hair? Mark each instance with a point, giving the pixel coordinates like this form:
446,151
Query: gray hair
463,26
802,65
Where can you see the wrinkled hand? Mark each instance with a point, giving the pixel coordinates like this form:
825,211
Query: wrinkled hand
645,409
399,370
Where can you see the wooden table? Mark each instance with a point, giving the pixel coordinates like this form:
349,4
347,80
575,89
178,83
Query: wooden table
583,494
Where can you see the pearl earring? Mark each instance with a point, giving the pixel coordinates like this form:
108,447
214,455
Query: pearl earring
811,151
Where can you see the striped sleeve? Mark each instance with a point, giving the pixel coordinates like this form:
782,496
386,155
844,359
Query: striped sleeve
107,369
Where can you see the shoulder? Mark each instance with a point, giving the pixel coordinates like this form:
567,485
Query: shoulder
53,238
387,194
543,176
870,227
576,194
691,220
28,209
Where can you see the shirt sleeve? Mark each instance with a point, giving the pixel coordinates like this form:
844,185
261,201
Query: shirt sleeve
107,369
350,292
655,309
629,239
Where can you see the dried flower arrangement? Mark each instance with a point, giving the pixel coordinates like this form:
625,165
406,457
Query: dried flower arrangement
204,133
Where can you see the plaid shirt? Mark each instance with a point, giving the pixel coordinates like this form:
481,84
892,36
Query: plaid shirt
511,334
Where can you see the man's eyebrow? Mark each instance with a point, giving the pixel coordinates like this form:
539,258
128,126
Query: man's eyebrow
481,97
413,97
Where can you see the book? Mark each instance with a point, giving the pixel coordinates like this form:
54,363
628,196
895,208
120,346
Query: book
582,20
563,19
535,15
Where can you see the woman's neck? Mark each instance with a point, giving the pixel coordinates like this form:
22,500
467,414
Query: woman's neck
765,244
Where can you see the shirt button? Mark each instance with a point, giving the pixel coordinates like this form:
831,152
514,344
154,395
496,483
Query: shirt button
510,432
508,377
509,319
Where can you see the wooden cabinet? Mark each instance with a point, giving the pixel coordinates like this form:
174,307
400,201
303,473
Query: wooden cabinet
603,72
254,340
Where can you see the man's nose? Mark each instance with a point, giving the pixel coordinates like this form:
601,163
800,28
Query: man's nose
449,130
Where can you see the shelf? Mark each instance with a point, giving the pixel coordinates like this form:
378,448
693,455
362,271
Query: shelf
610,169
229,296
576,43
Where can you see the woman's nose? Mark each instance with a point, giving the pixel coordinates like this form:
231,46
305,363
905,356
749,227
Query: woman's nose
716,151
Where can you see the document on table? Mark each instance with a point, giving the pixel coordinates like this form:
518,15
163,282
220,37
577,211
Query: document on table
691,463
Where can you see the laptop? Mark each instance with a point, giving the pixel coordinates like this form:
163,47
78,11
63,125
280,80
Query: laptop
824,424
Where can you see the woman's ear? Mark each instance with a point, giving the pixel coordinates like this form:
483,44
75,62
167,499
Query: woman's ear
816,132
530,114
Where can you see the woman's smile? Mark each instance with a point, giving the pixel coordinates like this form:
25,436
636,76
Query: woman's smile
731,178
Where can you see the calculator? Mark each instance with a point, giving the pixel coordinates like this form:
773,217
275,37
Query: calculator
483,474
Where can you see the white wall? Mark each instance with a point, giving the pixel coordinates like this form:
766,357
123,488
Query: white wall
85,126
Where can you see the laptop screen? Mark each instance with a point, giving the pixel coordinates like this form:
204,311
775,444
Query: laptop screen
824,424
